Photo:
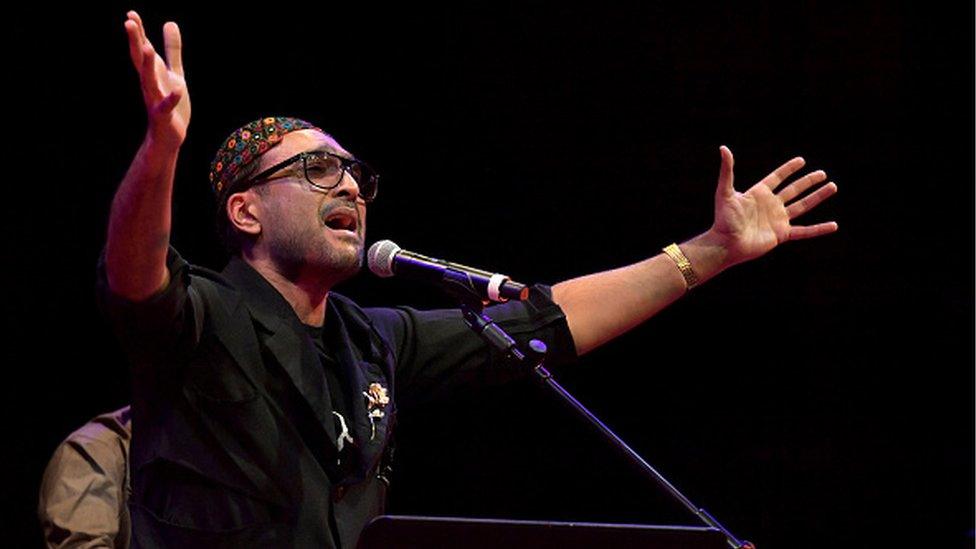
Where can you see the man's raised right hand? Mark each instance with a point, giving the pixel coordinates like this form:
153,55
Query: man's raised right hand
163,84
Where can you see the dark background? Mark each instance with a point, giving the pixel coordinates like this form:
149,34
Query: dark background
822,394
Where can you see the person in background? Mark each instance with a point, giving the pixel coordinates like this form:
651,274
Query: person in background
85,486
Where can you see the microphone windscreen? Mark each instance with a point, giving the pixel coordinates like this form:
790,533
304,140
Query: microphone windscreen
380,257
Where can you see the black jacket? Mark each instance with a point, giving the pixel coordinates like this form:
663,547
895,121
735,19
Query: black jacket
234,442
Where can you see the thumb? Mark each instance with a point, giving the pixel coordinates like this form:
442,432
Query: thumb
725,175
169,102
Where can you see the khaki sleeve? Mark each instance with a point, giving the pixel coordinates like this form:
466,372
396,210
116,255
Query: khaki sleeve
82,499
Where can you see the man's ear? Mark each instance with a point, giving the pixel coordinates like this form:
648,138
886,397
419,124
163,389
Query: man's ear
241,212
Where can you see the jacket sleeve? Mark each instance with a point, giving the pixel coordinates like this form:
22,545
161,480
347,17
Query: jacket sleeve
437,353
160,327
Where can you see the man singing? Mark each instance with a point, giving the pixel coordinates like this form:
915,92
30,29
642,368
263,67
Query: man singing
263,402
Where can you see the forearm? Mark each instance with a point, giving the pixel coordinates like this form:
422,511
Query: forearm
602,306
139,223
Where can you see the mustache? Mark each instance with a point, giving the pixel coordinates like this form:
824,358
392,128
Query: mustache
345,205
339,205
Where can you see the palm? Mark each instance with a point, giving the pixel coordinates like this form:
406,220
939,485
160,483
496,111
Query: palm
756,221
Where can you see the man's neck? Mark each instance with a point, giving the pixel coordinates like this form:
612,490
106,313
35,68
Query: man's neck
305,293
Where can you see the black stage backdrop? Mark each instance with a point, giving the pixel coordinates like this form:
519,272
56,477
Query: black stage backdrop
822,394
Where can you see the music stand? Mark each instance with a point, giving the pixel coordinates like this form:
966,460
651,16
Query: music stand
410,532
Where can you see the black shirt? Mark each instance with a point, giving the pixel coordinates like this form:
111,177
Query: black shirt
331,368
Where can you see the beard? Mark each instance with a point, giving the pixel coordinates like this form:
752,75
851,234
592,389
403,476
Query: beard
310,249
295,254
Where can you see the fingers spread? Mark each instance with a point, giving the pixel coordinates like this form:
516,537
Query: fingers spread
174,47
799,186
810,201
780,174
820,229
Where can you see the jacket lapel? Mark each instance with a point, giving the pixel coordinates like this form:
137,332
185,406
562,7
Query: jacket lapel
286,339
296,355
357,373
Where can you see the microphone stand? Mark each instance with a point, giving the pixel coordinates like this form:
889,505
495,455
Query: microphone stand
472,308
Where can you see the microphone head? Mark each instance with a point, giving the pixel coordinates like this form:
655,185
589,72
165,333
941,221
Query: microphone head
380,257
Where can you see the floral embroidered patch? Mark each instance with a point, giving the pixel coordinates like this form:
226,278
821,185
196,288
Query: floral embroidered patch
376,401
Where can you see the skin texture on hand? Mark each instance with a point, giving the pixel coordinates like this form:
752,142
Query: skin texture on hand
140,220
602,306
163,83
752,223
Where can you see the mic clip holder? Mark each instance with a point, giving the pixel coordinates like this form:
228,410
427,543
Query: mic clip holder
472,308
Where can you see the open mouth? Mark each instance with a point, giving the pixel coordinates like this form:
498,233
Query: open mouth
342,220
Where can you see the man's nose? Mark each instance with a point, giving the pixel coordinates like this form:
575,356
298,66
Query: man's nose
347,188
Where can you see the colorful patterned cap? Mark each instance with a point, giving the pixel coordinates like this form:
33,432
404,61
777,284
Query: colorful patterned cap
247,143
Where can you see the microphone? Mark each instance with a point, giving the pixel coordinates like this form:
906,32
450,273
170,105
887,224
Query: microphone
387,259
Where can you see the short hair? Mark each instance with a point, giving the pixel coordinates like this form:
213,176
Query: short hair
229,236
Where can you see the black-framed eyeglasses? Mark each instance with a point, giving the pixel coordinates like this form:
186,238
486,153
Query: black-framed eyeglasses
324,170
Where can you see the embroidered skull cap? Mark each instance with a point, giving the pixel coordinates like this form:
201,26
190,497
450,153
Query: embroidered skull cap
247,143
